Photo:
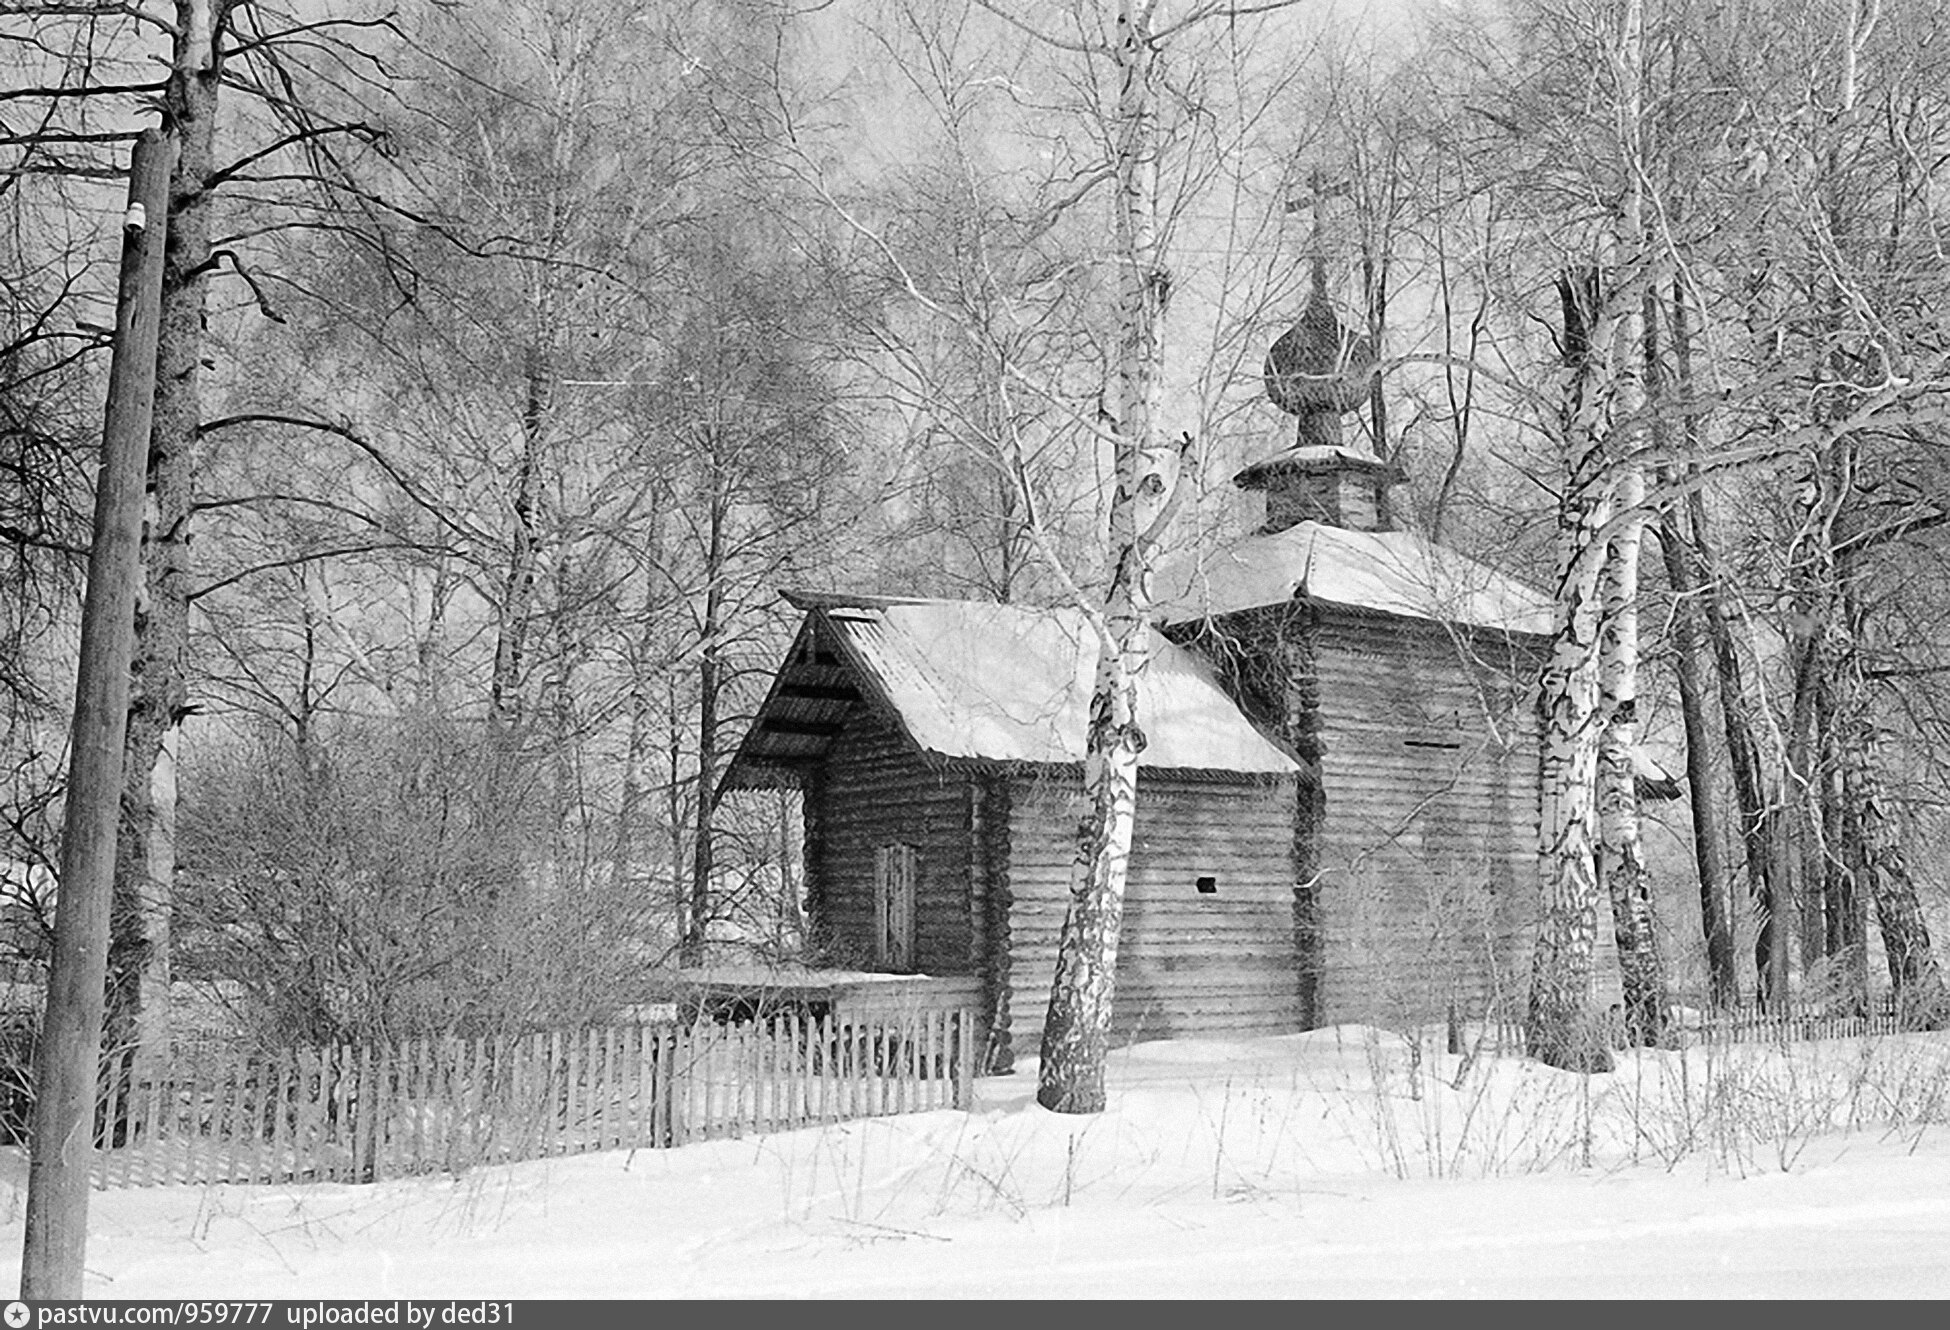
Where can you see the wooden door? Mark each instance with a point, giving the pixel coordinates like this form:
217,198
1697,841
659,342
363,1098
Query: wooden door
896,871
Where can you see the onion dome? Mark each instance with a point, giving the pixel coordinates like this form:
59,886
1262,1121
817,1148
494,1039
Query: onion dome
1317,365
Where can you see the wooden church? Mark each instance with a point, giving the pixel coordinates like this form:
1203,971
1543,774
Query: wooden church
1337,805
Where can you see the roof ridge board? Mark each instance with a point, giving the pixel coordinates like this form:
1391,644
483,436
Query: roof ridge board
802,599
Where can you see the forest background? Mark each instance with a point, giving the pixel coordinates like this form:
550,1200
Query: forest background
518,354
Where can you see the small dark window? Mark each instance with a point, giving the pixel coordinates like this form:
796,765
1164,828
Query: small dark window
1208,886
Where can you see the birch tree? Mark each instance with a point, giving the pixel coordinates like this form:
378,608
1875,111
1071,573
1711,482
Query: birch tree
1621,847
1115,57
1571,130
1146,473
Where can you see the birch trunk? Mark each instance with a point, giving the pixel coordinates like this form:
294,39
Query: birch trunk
1076,1035
145,858
1621,852
505,707
1560,1026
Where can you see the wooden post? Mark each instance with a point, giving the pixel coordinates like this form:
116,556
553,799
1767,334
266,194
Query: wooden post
68,1061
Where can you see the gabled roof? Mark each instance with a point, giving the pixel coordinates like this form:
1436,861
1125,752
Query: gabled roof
976,681
1392,572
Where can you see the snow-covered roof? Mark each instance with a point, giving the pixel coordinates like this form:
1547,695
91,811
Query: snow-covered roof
1313,457
1002,683
1393,572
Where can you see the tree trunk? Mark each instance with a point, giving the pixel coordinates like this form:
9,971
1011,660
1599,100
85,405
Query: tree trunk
1709,861
145,860
1560,1026
1766,871
1877,865
505,708
1817,646
1690,664
1621,852
1076,1035
629,806
709,684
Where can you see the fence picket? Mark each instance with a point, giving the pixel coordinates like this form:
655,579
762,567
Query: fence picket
385,1107
142,1170
345,1105
436,1104
162,1139
697,1082
828,1050
426,1109
752,1044
254,1126
223,1120
467,1094
668,1049
791,1071
413,1060
121,1090
246,1125
571,1108
592,1092
434,1108
860,1065
761,1041
966,1059
608,1137
932,1021
107,1093
648,1063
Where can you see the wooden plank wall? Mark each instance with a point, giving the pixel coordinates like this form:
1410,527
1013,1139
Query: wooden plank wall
1429,884
1188,963
876,790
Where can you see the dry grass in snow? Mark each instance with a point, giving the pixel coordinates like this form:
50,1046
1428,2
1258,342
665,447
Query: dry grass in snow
1341,1162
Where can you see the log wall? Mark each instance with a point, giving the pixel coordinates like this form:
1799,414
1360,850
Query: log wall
1189,962
874,790
1428,883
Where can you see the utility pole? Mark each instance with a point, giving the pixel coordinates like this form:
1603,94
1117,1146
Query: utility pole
67,1064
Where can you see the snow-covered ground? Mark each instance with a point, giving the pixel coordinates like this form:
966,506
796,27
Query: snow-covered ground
1335,1163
